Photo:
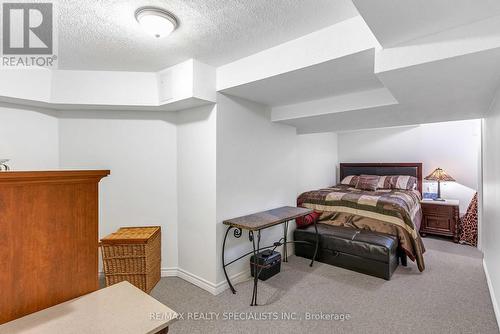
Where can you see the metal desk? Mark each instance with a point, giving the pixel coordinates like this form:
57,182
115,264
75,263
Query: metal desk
256,222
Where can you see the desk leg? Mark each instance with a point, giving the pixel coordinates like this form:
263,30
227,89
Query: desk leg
317,244
285,248
237,234
256,270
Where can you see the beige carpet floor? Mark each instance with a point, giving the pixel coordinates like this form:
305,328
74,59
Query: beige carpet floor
451,296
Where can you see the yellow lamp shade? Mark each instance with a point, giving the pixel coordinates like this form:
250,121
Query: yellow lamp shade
439,175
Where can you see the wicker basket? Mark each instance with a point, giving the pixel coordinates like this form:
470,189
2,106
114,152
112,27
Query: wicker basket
133,254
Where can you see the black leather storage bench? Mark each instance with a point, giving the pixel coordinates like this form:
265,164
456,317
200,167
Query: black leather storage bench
363,251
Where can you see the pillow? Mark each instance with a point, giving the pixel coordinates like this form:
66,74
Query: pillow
307,220
404,182
350,180
368,182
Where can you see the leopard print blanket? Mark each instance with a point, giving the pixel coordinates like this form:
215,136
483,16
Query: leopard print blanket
468,224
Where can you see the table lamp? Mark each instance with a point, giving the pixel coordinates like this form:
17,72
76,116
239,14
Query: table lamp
439,175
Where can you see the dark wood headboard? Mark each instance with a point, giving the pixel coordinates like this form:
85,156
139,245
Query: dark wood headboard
412,169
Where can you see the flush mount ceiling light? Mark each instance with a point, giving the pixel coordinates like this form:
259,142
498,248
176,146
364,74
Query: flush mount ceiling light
156,21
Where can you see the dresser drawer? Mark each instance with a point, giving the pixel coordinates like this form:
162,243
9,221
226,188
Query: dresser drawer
438,223
440,218
437,210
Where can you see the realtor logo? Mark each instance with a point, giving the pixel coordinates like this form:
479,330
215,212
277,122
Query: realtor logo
28,34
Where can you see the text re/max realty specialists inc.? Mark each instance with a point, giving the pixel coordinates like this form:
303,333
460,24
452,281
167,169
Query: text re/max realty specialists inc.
254,316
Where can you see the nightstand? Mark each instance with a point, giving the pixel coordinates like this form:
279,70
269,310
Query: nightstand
440,218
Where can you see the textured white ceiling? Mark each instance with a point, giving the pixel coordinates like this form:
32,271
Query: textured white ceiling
103,34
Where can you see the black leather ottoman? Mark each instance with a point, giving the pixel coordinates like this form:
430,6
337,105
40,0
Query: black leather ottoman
363,251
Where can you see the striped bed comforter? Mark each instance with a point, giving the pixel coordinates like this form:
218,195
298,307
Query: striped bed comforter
392,211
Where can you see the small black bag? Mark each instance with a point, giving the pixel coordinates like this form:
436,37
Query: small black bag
271,262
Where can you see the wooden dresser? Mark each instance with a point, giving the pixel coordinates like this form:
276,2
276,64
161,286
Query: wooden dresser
48,238
440,218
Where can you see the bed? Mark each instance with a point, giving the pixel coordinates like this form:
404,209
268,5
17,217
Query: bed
396,212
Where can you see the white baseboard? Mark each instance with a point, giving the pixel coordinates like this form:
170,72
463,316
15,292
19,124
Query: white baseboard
214,289
196,280
235,279
169,272
202,283
492,294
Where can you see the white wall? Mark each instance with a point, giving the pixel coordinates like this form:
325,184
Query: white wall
196,144
256,171
187,82
491,199
30,139
453,146
142,157
317,161
103,87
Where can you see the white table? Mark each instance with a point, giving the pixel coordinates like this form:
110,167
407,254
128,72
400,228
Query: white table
121,308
